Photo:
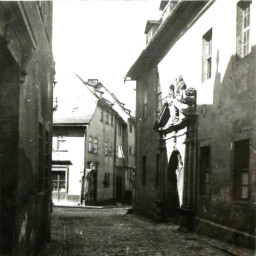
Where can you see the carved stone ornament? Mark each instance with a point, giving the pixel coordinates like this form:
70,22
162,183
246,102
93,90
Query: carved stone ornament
179,102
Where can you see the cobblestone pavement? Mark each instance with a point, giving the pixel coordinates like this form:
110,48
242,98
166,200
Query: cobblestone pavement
110,231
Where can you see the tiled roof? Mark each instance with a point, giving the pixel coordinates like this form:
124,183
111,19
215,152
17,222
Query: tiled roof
77,105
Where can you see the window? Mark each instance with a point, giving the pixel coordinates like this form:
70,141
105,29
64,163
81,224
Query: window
130,128
61,143
205,170
101,114
119,130
95,145
107,117
112,119
241,169
145,104
59,181
110,148
90,145
144,169
157,170
55,103
106,148
106,180
207,56
243,28
159,98
130,150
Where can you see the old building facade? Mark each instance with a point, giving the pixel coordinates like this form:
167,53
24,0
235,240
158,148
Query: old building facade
26,78
196,118
91,160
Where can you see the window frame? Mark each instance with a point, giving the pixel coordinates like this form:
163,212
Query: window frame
95,145
101,115
110,148
106,149
62,138
238,171
207,55
243,30
107,117
90,144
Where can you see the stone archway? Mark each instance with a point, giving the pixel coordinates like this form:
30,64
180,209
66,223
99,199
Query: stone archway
174,184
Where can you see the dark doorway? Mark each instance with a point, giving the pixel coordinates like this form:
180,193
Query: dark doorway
172,189
92,187
119,188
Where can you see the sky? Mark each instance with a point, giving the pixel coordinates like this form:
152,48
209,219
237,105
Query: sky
101,39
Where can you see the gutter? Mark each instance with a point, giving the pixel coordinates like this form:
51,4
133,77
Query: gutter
182,17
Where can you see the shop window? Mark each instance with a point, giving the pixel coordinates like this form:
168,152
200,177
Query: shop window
205,170
241,169
59,181
207,56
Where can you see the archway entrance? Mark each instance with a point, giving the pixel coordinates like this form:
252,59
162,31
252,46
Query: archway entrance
175,183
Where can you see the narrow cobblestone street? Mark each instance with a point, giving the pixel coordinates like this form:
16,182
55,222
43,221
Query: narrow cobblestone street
110,231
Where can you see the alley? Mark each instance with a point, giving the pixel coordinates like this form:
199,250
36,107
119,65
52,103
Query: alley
110,231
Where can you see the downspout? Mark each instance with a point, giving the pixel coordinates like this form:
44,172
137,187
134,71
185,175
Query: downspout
84,170
114,163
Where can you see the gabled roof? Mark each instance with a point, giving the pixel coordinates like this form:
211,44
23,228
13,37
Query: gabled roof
150,24
76,106
163,4
108,99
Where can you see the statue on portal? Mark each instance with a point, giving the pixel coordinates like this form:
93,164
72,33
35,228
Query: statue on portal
180,100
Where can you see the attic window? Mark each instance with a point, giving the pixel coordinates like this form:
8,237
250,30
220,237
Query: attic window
93,81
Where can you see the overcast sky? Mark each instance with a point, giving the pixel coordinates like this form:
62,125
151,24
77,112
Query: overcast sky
100,39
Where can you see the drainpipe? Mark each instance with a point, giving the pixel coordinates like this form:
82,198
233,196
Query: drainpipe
114,175
84,170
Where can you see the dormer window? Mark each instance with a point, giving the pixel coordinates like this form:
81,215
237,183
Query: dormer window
151,28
